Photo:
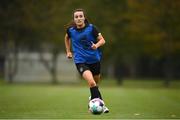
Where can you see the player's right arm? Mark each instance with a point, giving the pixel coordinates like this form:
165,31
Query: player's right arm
68,46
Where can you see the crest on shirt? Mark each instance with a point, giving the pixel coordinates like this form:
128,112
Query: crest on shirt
81,69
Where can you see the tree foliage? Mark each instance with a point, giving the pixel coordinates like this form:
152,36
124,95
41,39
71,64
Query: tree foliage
132,28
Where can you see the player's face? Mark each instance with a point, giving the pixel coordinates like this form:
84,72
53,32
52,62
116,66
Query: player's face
79,18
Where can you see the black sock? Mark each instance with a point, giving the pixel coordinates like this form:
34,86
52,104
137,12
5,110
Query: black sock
95,93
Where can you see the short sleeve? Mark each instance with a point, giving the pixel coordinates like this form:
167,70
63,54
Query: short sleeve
68,33
95,32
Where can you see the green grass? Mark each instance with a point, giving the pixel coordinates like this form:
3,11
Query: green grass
22,101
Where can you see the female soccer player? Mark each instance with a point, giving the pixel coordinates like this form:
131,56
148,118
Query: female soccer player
85,40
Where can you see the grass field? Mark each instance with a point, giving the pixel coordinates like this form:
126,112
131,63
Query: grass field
131,101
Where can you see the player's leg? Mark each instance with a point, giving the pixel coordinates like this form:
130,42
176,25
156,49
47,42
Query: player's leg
84,70
97,78
95,68
87,75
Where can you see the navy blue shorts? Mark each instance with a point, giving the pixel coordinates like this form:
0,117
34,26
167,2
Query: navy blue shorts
94,68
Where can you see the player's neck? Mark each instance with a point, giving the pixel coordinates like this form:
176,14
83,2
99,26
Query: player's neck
81,26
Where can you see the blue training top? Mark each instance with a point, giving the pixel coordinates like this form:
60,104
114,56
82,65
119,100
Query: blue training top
81,40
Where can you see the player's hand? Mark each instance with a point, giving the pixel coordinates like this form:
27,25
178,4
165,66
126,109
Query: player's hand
69,55
94,46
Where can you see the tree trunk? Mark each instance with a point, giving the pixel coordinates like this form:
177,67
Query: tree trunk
54,68
167,71
12,64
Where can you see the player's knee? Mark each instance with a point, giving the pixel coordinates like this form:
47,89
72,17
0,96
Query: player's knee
92,83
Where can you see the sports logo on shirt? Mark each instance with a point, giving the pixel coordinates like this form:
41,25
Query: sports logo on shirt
81,69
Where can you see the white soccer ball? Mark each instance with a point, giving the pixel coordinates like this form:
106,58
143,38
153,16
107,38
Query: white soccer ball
96,106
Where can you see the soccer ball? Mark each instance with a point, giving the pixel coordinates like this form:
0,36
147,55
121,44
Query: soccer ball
96,106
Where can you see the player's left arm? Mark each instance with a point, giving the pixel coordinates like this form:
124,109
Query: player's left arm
100,42
100,39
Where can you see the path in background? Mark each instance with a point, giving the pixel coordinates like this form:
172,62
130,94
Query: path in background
31,69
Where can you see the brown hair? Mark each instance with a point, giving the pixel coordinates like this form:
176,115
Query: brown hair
71,23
